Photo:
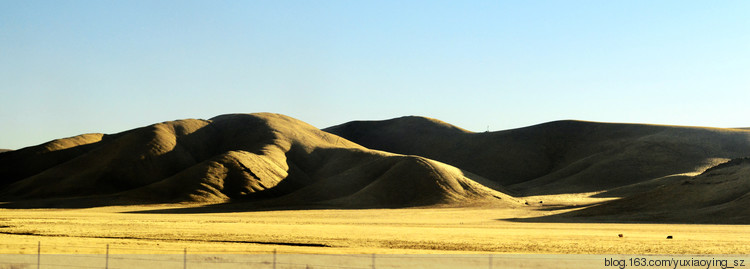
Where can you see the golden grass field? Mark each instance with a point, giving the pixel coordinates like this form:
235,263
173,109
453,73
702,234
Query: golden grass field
457,230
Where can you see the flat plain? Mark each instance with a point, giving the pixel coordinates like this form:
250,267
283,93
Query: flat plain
446,230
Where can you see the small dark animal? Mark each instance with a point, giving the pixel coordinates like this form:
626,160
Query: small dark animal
620,235
669,237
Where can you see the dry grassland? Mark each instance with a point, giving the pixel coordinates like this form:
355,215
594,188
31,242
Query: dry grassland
405,231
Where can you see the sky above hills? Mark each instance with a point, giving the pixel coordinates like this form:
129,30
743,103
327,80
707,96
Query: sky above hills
72,67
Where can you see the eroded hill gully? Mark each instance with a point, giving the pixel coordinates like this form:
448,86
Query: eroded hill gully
167,162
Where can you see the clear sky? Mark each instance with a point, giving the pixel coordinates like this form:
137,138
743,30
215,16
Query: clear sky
73,67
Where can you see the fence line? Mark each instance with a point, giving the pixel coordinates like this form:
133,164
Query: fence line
110,259
109,256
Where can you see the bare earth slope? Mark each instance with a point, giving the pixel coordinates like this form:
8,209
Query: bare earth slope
266,159
559,157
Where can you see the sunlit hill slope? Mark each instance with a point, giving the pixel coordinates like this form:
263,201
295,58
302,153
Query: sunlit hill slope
269,159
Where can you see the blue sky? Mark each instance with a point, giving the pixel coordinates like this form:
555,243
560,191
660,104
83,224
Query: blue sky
72,67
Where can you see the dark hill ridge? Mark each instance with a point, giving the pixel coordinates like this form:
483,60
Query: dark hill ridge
267,159
557,157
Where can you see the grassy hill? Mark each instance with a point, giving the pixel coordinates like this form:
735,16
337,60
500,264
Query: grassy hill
721,194
267,159
558,157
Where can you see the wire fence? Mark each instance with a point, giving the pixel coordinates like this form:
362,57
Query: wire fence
112,256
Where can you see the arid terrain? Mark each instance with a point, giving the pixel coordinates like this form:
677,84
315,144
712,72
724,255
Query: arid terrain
255,183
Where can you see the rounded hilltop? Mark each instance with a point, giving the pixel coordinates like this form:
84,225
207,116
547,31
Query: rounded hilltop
263,159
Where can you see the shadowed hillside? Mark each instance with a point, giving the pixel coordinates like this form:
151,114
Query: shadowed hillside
269,159
719,195
559,157
19,164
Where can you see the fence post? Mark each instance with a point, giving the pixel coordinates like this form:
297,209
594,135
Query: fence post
373,261
38,254
106,257
274,258
490,261
184,259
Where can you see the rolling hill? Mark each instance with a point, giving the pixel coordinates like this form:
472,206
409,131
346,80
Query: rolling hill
268,160
721,194
559,157
265,161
